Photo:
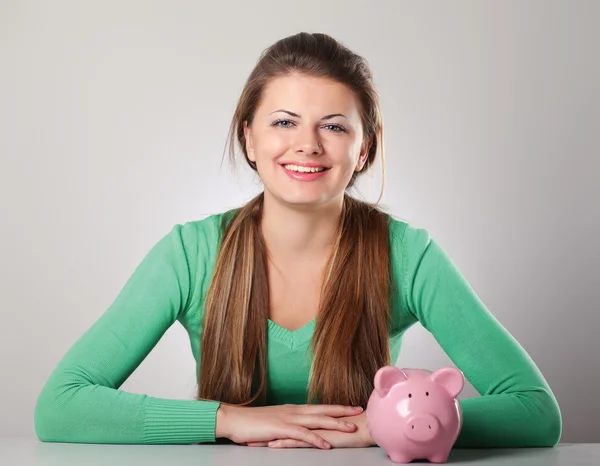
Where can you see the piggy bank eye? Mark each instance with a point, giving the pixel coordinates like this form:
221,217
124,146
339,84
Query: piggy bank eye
427,393
409,395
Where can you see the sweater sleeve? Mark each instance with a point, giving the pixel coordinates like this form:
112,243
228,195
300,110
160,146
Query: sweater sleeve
517,407
81,401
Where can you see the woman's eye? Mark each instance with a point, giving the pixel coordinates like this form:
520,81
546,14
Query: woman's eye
337,128
277,123
290,123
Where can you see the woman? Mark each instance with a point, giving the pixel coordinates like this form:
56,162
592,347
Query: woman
326,282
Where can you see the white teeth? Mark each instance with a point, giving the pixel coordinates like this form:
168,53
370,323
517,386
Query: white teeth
297,168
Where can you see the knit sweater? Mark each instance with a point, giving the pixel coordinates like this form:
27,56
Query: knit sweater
81,401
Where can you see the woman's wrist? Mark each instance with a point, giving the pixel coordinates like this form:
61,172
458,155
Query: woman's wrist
222,427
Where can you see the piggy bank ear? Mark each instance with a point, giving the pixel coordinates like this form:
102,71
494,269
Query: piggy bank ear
387,377
451,379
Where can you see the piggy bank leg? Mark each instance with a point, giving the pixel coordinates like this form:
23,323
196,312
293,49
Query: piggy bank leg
438,458
397,457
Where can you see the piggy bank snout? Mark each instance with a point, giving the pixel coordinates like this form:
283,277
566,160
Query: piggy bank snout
422,427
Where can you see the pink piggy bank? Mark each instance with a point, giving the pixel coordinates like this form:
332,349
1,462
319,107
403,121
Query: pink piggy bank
414,414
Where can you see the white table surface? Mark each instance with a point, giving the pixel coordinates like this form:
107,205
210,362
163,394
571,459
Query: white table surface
24,451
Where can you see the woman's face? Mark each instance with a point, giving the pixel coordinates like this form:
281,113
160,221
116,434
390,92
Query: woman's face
304,120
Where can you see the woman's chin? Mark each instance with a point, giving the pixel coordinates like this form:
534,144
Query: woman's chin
307,201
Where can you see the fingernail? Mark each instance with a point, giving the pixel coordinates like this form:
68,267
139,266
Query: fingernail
358,408
273,443
327,445
349,424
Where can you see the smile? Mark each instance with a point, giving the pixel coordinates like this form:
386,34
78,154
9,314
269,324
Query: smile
304,173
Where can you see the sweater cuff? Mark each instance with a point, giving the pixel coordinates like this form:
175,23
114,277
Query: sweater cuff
179,421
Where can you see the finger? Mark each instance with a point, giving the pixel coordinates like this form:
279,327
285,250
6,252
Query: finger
289,443
306,435
313,421
257,444
330,410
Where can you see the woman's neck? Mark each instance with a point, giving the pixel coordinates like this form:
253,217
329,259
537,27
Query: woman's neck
295,233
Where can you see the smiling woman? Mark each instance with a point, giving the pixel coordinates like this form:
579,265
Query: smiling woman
296,299
304,134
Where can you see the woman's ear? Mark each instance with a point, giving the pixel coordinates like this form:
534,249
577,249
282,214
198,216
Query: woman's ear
364,154
249,145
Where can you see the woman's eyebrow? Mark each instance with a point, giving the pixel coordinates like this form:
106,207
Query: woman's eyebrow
326,117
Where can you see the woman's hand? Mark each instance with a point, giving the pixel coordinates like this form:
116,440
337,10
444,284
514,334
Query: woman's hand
307,423
358,438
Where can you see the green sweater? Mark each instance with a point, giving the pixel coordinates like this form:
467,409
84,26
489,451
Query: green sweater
81,401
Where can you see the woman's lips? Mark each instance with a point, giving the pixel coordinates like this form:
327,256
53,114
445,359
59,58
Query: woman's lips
304,176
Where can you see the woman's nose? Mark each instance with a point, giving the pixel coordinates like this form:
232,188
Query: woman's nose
308,145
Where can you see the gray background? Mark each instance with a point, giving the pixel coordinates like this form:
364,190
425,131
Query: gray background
113,118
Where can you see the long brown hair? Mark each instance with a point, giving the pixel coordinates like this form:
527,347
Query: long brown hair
351,337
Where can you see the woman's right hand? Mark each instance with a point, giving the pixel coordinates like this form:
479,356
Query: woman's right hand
244,425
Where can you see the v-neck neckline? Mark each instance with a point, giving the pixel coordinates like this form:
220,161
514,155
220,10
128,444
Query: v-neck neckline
292,338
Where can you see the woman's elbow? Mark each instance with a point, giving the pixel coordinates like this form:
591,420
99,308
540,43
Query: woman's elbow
42,420
50,418
553,430
548,428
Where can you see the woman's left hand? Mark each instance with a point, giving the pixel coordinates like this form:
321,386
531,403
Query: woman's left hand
357,439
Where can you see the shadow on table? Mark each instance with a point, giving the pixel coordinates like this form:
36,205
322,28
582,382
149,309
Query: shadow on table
465,455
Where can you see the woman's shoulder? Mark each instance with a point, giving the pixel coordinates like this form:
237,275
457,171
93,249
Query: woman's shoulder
207,230
197,239
407,237
207,225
